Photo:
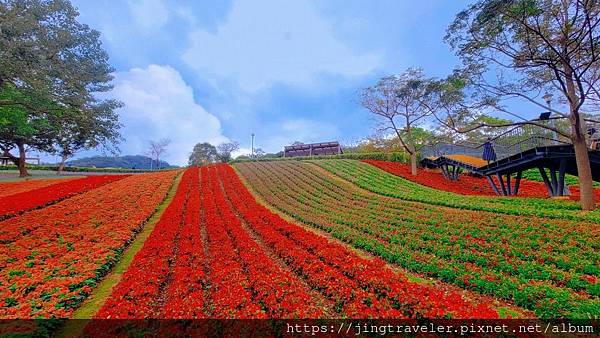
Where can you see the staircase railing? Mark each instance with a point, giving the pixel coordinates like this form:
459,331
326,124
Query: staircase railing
514,141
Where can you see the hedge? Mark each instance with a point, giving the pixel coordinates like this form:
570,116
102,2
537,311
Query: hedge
392,157
80,169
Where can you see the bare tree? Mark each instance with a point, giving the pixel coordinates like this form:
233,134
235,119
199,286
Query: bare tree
399,102
157,149
522,49
225,150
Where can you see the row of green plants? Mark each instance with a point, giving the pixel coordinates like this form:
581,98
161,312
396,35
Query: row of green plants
543,265
378,181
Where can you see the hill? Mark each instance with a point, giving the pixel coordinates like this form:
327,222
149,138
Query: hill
127,162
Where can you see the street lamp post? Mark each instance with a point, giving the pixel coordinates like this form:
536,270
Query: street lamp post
252,154
548,98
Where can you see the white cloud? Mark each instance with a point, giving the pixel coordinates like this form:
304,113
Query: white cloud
159,104
149,14
268,41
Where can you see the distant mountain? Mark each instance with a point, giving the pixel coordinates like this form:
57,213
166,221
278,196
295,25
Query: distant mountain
126,162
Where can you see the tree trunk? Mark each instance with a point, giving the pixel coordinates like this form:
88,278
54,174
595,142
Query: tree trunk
582,158
584,171
61,166
22,165
413,163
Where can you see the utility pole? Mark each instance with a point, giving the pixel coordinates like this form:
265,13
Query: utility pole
252,154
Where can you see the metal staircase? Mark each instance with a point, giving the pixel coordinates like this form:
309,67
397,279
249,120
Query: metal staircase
518,149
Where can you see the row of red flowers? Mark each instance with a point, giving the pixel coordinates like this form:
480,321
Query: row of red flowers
51,258
11,188
27,200
136,295
275,291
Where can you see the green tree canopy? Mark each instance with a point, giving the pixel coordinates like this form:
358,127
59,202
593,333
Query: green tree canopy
51,69
203,153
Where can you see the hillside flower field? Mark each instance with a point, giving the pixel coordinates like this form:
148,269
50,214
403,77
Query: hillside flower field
291,239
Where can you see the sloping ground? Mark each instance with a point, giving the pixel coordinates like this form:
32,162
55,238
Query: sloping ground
468,185
548,265
383,183
217,253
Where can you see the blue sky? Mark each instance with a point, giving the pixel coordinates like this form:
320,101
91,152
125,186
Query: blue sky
212,71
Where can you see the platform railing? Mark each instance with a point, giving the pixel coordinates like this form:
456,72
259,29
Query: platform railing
512,142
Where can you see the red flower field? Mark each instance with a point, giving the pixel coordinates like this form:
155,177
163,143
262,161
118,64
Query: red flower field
217,253
11,188
31,199
467,185
51,258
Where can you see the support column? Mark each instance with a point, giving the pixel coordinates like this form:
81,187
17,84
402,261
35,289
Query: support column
501,180
546,180
492,184
561,176
517,182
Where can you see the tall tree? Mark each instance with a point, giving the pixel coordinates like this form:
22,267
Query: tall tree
51,68
398,101
521,49
225,150
203,154
92,127
157,149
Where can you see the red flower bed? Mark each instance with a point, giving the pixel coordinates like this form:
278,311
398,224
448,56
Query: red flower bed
136,294
27,200
11,188
51,258
466,185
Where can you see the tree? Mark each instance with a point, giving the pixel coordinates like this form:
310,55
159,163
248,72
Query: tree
157,149
203,153
398,100
94,126
521,49
225,149
259,153
51,68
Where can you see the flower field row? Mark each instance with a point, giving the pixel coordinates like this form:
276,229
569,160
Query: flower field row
11,188
51,258
380,182
137,294
470,185
216,253
547,265
27,200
